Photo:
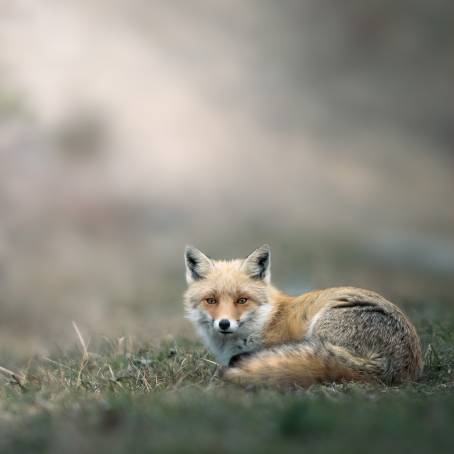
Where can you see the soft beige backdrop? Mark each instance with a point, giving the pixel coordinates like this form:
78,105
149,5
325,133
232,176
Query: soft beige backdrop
129,128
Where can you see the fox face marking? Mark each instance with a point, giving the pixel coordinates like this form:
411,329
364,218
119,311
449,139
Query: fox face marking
225,299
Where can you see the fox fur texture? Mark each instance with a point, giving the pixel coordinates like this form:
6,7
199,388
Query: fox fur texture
267,337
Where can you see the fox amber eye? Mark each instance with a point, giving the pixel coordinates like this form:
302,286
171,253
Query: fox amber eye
211,301
242,301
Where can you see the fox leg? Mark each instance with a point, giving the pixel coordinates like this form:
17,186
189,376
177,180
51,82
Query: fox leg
303,364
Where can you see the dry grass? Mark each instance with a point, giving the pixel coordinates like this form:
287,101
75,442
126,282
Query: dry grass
117,395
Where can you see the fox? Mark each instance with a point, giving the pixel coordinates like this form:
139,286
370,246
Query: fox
263,336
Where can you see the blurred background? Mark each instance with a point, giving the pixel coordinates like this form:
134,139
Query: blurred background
129,128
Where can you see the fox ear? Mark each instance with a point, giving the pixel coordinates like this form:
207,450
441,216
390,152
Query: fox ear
257,265
197,264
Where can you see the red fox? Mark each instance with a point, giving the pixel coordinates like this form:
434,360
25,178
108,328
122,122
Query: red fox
267,337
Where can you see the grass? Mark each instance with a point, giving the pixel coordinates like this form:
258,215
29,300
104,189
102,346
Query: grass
120,396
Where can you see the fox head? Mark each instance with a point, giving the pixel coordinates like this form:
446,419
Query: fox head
227,298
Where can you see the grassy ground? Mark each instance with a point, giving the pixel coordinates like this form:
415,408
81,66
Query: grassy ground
119,396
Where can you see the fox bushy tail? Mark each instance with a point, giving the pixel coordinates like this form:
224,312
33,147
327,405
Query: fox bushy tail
304,364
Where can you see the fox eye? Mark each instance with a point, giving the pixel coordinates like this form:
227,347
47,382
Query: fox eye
211,301
242,301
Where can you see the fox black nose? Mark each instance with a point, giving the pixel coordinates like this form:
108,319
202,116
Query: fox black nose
224,324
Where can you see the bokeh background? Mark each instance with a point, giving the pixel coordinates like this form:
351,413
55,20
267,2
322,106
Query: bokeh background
129,128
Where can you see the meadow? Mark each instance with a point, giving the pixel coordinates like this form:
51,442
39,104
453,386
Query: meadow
131,128
126,395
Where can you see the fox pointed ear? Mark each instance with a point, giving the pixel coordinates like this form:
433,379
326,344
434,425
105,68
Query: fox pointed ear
258,264
197,264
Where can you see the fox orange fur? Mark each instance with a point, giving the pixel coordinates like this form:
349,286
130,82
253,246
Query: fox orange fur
268,337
